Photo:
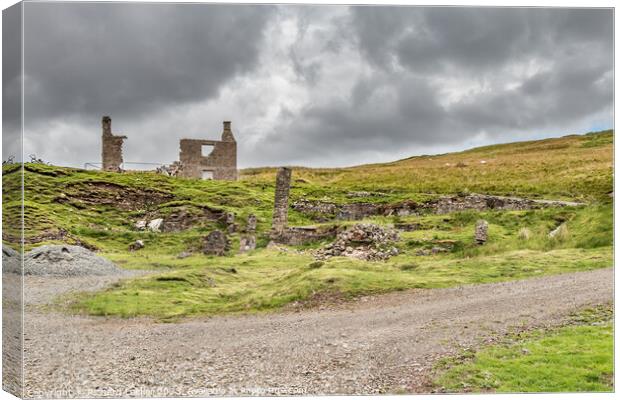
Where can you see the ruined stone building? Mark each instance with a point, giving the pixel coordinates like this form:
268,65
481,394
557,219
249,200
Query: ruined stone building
111,147
210,159
201,159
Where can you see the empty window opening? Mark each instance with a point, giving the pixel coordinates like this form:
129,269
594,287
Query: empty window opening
207,175
206,149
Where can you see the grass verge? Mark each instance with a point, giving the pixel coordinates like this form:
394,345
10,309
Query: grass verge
575,358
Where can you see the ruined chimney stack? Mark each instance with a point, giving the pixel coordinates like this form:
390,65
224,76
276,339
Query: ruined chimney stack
227,135
106,125
111,147
280,210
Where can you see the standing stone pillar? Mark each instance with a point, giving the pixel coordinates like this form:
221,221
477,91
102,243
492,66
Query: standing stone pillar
280,210
247,242
251,226
482,231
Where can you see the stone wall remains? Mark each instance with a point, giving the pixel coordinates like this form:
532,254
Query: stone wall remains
221,162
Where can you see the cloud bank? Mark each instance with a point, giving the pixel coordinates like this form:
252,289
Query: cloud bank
310,85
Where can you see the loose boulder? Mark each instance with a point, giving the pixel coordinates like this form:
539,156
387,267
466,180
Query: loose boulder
216,243
140,225
137,245
156,225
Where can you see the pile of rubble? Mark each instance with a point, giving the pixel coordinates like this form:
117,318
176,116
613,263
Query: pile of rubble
368,242
174,169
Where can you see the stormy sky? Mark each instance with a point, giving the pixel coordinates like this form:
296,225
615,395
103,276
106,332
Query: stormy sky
309,85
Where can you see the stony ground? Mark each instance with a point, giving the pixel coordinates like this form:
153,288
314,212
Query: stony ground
380,344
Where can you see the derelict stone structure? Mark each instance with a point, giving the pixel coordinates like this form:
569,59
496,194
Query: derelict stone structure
280,210
111,148
219,164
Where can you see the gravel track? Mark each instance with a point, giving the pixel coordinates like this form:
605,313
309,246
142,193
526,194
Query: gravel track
379,344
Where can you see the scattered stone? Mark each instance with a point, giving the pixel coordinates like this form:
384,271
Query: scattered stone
137,245
216,243
408,227
230,223
156,225
184,254
140,225
432,251
247,243
363,241
65,260
174,169
481,234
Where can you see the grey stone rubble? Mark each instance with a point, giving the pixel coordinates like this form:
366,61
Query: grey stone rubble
230,222
174,169
247,243
482,231
154,225
137,245
66,260
10,260
432,251
216,243
363,241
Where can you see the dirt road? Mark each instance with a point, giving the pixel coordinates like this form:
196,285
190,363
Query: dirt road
381,344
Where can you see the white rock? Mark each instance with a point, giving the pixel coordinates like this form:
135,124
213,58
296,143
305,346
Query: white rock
155,225
140,225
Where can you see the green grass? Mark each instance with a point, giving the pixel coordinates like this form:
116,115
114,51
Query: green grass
570,359
60,200
268,279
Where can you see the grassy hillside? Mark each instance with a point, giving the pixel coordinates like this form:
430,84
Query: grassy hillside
98,210
577,167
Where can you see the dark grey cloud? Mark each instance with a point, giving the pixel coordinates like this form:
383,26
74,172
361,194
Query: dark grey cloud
428,40
11,83
313,85
89,59
531,69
